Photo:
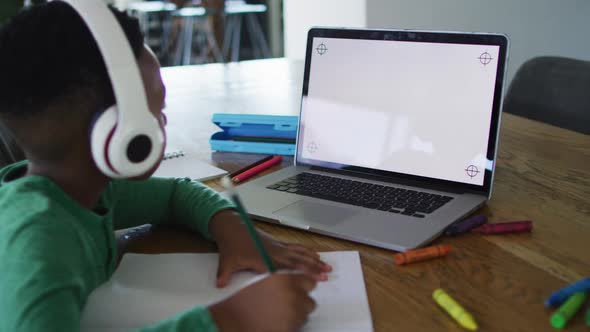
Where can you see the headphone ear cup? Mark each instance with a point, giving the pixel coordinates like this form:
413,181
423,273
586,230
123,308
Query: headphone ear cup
101,133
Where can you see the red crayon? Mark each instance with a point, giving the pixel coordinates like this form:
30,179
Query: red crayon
257,169
505,228
242,170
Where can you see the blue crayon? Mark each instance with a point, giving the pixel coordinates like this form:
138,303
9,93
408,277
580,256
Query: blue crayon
466,225
563,294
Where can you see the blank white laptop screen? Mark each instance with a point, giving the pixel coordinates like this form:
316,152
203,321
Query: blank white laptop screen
415,108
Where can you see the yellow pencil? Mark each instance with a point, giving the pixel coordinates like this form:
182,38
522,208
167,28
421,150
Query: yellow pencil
454,309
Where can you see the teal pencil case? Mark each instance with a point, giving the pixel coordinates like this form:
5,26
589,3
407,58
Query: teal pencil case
254,133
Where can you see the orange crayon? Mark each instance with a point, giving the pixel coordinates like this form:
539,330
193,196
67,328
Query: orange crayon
423,254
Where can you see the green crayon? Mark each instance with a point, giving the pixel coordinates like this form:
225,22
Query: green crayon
567,310
588,316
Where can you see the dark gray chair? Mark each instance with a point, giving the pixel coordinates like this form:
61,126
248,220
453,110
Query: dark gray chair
553,90
10,152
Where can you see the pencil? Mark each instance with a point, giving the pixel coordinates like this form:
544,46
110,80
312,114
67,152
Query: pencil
226,182
256,163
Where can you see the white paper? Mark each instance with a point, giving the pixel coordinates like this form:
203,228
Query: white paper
189,166
146,289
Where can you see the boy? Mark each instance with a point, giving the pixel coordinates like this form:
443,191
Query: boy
58,211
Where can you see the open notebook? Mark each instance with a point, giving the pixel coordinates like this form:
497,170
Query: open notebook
179,164
148,288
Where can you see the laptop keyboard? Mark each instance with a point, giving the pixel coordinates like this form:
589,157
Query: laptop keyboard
395,200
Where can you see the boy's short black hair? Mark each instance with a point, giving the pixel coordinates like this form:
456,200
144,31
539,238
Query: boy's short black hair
48,56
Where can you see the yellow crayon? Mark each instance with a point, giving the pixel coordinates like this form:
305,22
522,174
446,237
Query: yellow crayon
454,309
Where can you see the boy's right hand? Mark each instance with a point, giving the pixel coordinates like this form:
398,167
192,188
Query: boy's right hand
280,302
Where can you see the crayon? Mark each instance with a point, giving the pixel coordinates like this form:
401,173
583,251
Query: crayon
505,227
561,295
567,310
454,309
257,169
245,168
466,225
588,316
421,254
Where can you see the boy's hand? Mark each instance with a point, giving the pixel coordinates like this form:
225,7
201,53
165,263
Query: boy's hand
279,303
237,251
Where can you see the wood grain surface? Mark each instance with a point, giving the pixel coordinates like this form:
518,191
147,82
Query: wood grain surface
542,174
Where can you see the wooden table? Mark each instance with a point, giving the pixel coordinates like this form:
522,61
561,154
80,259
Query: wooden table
543,174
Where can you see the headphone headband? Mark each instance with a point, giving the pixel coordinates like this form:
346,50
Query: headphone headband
126,140
118,57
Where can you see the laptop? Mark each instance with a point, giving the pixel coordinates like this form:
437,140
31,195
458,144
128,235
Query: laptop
397,137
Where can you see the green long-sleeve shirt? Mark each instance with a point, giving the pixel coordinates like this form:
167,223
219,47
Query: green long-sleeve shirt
54,252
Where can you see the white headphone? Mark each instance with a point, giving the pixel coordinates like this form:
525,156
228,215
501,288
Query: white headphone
126,140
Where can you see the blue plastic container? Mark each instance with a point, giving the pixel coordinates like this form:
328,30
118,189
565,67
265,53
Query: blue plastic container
254,125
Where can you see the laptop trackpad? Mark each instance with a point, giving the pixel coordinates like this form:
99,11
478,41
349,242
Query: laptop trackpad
305,212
